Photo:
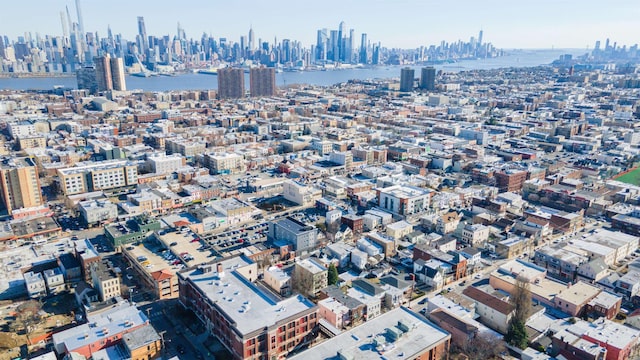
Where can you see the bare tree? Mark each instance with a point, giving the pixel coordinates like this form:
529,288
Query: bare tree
303,284
265,262
483,346
521,299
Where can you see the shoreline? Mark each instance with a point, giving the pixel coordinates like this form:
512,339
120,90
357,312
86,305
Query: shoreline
36,75
445,63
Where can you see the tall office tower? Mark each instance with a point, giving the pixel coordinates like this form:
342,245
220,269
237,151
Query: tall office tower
117,74
428,78
86,77
103,73
19,184
80,21
230,83
181,34
142,31
252,40
1,48
63,21
83,45
286,50
321,45
243,45
349,45
596,48
262,81
480,38
334,47
375,55
363,49
406,79
342,33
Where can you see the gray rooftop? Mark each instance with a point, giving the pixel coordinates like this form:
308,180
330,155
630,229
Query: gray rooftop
102,326
141,337
243,303
359,343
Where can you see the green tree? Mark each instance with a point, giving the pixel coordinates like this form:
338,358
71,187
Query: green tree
333,275
517,334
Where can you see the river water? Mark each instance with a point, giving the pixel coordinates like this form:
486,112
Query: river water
191,81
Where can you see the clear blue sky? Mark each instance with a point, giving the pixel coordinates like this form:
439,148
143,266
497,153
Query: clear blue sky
396,23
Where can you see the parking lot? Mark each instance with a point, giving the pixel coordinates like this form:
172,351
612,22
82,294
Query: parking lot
186,245
240,237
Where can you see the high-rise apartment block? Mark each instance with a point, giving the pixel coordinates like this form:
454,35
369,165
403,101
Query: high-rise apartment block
109,74
406,79
262,81
230,83
103,73
117,74
86,77
428,78
97,176
20,185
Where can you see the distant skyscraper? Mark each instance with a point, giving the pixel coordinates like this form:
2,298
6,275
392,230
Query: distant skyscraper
103,73
252,40
20,185
230,83
80,21
375,55
322,45
363,49
349,47
428,78
83,46
117,74
262,81
406,79
342,33
86,77
142,31
63,21
334,40
480,38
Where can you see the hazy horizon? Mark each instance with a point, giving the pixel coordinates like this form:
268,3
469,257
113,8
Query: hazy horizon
396,24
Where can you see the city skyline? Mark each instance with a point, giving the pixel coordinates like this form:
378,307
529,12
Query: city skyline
408,23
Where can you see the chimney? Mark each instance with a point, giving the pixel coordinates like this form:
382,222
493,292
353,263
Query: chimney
219,268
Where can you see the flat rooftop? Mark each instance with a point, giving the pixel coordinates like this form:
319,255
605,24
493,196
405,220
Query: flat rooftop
578,293
545,289
102,326
404,192
521,268
612,333
242,302
358,343
16,163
